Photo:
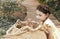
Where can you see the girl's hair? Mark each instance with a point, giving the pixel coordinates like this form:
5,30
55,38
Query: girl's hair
44,9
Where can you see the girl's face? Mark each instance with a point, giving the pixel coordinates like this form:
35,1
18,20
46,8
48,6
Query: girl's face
41,16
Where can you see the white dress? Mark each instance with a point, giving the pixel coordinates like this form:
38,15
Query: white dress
56,32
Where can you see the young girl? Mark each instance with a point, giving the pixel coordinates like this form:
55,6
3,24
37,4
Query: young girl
42,15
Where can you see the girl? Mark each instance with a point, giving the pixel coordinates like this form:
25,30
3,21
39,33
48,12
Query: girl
42,15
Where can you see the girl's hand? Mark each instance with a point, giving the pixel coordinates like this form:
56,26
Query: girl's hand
49,28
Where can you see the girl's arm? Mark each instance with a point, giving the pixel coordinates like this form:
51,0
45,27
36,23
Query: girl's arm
50,34
53,33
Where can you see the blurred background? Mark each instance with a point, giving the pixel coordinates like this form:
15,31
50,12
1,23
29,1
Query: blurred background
11,10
